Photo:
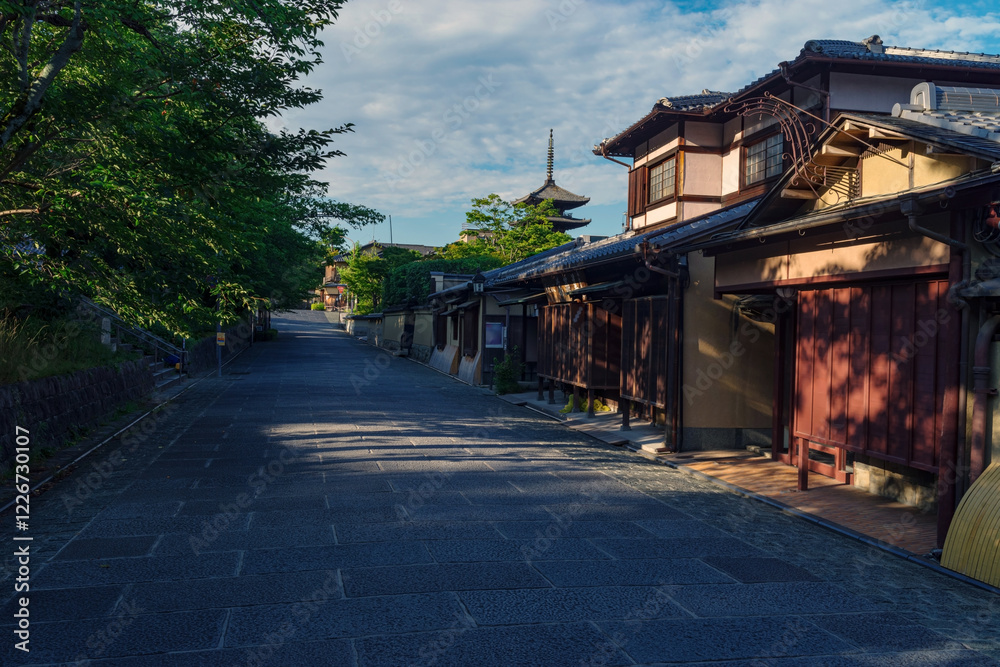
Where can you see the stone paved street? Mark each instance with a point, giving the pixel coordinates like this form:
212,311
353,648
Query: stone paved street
326,504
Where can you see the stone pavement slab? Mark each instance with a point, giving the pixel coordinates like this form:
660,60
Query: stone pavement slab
325,503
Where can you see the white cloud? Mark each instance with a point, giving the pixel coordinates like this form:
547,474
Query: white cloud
454,99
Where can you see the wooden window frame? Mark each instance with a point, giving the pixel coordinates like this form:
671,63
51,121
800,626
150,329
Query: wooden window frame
745,155
650,175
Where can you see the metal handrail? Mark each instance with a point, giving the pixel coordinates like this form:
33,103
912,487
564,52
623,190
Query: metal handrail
150,339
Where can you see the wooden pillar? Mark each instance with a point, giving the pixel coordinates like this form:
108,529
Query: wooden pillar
591,397
625,406
541,387
778,398
552,391
576,399
523,349
803,464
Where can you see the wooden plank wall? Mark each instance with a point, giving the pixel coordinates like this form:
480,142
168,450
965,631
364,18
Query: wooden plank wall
874,366
645,336
580,344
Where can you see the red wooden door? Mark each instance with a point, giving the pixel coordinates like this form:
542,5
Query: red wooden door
872,373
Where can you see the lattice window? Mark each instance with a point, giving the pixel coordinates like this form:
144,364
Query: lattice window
763,159
662,180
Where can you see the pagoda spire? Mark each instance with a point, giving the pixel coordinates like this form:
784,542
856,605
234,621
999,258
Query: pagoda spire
562,199
548,171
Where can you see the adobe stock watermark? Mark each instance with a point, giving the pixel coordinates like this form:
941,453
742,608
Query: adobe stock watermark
708,375
101,640
563,11
418,497
376,366
927,331
371,30
300,614
451,120
694,49
650,608
229,512
432,650
89,482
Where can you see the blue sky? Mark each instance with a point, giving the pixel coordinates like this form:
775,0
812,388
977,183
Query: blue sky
454,99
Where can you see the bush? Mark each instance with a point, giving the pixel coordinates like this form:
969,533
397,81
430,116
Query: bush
318,306
507,372
411,282
31,348
581,405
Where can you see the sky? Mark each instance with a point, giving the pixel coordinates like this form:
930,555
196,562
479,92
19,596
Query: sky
454,99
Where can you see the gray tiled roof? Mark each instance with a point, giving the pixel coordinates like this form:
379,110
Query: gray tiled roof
934,129
703,100
577,256
558,195
822,48
834,48
974,112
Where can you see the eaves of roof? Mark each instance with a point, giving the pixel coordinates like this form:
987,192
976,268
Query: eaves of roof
855,209
927,133
500,275
932,132
617,247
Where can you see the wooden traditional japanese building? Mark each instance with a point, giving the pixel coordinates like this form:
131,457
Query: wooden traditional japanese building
696,154
878,251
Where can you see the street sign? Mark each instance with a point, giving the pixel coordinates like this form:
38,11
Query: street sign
220,339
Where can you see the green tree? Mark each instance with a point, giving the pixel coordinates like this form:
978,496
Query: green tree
511,232
410,283
363,276
135,165
367,270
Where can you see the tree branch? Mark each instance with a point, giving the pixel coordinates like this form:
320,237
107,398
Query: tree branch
30,101
140,29
24,211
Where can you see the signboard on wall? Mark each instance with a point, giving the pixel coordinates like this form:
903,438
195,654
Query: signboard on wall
494,335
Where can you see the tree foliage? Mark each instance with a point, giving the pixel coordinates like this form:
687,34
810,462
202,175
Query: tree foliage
367,270
410,284
510,232
136,166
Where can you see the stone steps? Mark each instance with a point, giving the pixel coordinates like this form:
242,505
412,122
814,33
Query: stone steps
164,376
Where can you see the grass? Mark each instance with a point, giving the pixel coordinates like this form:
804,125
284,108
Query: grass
31,349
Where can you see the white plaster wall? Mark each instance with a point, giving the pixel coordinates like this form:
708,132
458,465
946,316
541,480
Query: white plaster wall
702,174
660,214
865,92
732,131
807,99
730,172
693,209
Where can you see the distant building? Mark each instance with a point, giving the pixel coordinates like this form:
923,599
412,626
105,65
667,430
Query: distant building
333,292
563,199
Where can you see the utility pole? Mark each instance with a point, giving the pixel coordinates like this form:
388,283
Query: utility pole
390,230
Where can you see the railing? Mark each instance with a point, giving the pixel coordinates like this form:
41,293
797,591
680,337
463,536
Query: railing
127,333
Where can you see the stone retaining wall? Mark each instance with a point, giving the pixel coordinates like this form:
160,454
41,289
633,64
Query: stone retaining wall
54,409
201,355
